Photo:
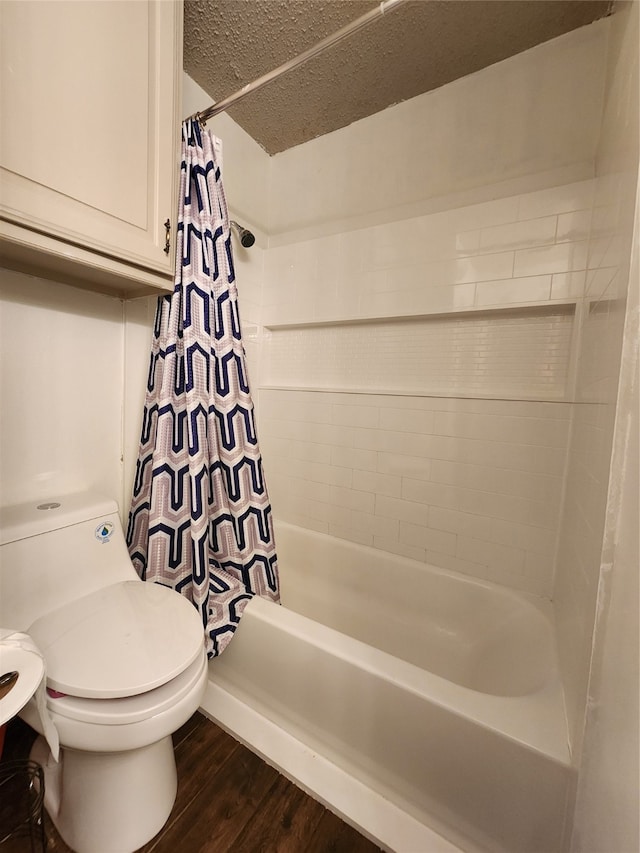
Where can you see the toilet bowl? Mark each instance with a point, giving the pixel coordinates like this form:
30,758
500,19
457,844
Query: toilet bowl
125,668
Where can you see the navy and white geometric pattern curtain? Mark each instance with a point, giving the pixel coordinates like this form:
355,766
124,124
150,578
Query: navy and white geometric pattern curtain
200,519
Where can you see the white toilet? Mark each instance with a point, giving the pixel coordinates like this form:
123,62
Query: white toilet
128,656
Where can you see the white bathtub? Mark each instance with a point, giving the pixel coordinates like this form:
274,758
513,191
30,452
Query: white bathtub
435,699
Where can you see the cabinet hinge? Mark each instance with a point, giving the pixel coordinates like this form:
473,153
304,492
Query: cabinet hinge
167,236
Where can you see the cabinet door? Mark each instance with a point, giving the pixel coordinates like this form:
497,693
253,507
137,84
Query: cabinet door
89,133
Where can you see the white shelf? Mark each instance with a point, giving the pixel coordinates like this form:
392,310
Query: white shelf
524,308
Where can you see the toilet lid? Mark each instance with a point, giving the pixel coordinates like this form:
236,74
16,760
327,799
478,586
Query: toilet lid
119,641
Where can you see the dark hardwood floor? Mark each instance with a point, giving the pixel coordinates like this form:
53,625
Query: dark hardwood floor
228,800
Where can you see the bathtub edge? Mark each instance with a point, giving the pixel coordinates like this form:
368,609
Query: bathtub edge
382,822
554,746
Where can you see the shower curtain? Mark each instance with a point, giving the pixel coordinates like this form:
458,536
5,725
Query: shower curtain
200,519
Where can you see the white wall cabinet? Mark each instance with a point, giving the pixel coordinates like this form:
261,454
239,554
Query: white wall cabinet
89,140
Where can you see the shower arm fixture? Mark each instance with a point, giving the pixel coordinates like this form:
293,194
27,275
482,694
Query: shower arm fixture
354,26
246,237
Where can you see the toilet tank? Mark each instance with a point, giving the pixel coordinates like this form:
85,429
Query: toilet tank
56,550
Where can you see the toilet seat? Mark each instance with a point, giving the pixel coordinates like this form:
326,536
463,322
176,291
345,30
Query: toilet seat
123,640
132,709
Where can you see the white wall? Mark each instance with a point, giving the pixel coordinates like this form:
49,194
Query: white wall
533,113
402,405
606,816
138,330
438,436
61,380
579,559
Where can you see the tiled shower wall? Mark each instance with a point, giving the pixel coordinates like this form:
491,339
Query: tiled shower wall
467,484
471,354
417,378
529,248
584,571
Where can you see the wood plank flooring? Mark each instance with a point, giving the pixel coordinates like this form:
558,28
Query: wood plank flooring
228,800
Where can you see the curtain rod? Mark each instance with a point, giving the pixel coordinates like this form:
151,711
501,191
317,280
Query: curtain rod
354,26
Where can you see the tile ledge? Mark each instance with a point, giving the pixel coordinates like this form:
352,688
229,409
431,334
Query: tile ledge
549,306
454,395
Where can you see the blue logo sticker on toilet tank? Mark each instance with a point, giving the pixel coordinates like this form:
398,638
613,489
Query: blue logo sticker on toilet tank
104,531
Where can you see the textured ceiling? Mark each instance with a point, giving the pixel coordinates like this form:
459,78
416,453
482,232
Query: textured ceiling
412,49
